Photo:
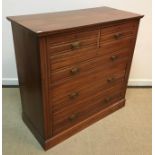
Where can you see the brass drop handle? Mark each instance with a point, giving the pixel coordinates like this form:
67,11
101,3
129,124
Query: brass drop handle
118,35
110,80
75,45
73,95
74,70
73,117
108,99
114,57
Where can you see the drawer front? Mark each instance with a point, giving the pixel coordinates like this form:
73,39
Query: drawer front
71,41
100,75
78,69
118,32
71,116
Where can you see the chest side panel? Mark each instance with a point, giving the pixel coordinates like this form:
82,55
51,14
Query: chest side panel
29,76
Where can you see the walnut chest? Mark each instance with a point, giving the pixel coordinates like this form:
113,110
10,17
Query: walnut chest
73,68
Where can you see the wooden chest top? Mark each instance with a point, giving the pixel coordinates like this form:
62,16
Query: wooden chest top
44,23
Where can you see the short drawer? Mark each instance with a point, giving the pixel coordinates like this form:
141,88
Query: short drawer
78,69
107,75
118,32
75,114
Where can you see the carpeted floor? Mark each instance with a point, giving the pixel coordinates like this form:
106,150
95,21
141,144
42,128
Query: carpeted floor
125,132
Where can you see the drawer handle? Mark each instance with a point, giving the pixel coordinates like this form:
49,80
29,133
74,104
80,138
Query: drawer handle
74,71
114,57
75,45
73,117
118,36
108,99
110,80
73,95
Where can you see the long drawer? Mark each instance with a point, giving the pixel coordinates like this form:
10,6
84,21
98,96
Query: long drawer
71,116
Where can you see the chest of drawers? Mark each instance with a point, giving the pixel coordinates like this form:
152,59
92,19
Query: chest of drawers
73,68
